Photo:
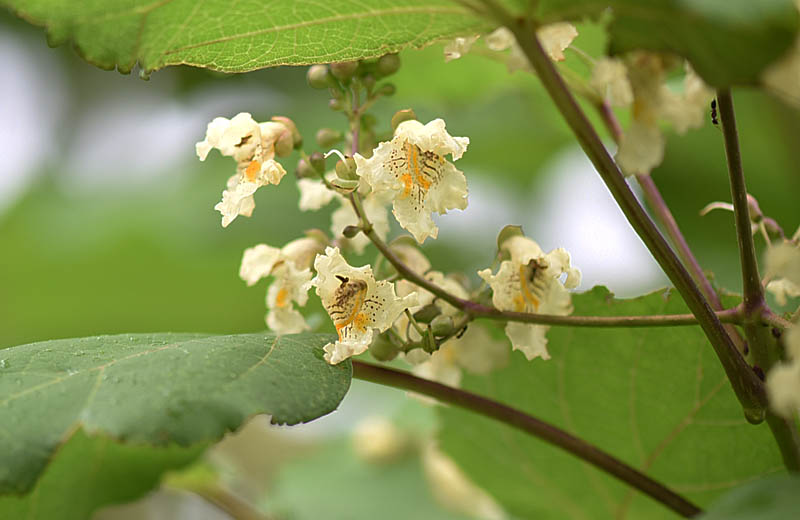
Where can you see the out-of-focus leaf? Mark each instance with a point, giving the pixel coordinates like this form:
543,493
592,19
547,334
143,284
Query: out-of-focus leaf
155,388
776,497
656,398
335,483
727,41
243,36
91,472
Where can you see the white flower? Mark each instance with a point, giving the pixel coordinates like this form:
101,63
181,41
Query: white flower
377,440
642,146
290,268
530,282
453,489
356,303
314,194
344,216
252,146
783,381
555,38
783,265
412,170
458,47
610,79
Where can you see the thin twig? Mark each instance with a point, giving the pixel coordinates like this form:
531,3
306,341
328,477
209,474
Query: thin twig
531,425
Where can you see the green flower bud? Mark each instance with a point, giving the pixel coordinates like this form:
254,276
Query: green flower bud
328,137
351,231
344,186
383,349
284,144
317,161
387,89
317,76
368,81
427,314
388,64
402,115
344,70
346,169
442,325
337,105
297,139
304,170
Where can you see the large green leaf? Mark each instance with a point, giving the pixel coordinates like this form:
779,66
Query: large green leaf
656,398
155,388
242,36
727,41
89,473
776,497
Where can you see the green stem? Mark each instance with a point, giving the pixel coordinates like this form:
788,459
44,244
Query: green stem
762,344
748,387
531,425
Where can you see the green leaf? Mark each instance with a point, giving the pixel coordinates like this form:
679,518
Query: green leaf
155,388
776,497
242,36
88,473
656,398
345,486
727,41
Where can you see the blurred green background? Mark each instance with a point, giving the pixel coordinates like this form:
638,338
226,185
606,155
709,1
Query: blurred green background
107,222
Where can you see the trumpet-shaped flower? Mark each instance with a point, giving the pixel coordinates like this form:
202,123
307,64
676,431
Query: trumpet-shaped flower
530,281
290,268
356,303
411,169
252,146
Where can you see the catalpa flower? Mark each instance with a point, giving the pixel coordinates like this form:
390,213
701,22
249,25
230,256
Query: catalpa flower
356,303
412,171
290,268
783,266
554,38
530,281
252,146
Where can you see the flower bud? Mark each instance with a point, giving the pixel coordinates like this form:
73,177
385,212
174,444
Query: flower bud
368,81
317,161
346,169
328,137
428,313
387,89
336,105
344,70
344,186
388,64
284,144
382,349
317,76
297,139
402,115
304,170
442,325
351,231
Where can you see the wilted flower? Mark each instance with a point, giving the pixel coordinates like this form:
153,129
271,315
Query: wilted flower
530,281
610,80
252,146
412,171
356,303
